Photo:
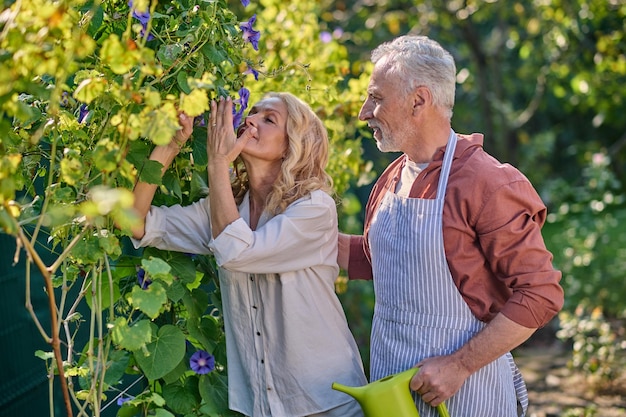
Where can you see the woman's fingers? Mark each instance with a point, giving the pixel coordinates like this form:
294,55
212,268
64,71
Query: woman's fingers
221,139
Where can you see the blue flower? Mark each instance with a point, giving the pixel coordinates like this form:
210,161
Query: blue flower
249,34
245,3
144,282
83,112
202,362
199,121
252,71
244,95
143,17
121,400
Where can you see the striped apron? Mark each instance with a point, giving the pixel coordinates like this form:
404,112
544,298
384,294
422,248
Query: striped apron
419,312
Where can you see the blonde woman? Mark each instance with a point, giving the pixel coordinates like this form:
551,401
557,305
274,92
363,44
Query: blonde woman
271,223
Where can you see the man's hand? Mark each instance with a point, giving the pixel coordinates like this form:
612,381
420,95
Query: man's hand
439,378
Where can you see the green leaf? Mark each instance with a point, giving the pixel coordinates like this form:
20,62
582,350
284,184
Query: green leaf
183,267
172,184
214,392
157,268
206,331
116,365
164,353
131,338
111,245
151,172
117,56
161,412
216,56
44,355
196,302
168,54
87,251
178,372
182,399
151,300
106,294
176,291
198,146
161,124
198,186
181,79
7,223
90,89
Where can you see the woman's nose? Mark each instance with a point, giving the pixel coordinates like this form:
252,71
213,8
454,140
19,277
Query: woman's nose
251,120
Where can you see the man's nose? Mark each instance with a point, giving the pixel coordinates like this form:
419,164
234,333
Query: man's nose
365,112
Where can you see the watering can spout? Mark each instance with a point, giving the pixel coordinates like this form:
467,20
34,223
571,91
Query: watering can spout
356,392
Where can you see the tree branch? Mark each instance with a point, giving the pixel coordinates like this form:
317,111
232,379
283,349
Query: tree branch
33,256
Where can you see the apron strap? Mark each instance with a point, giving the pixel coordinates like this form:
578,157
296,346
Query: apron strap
445,167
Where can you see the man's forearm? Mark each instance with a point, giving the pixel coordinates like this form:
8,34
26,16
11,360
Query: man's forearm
500,336
343,253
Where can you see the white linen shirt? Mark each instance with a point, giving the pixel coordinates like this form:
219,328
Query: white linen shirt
287,337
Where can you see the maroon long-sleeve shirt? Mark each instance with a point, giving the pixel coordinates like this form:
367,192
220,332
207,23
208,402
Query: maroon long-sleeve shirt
492,221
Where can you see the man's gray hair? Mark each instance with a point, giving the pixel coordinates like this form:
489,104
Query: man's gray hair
421,61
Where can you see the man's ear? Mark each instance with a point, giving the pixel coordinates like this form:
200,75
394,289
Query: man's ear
421,97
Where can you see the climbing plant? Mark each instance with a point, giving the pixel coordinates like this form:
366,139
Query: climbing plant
87,88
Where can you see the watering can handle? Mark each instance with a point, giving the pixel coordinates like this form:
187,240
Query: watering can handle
443,410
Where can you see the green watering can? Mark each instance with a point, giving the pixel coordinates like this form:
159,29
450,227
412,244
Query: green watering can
388,397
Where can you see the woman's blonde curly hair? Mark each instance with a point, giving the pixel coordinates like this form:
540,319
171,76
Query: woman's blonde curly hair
304,164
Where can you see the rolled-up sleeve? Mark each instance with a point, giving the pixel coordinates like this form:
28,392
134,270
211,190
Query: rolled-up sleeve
304,235
359,265
177,228
510,235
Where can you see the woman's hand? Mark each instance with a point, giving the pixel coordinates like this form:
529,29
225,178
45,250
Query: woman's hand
164,154
222,143
184,133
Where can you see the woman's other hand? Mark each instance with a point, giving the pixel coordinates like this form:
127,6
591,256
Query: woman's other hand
184,133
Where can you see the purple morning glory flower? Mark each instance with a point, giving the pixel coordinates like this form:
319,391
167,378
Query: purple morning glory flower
202,362
249,34
144,282
121,400
252,71
83,112
244,95
199,121
245,3
143,17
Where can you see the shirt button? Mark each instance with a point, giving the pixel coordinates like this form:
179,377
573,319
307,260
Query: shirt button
258,333
262,360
